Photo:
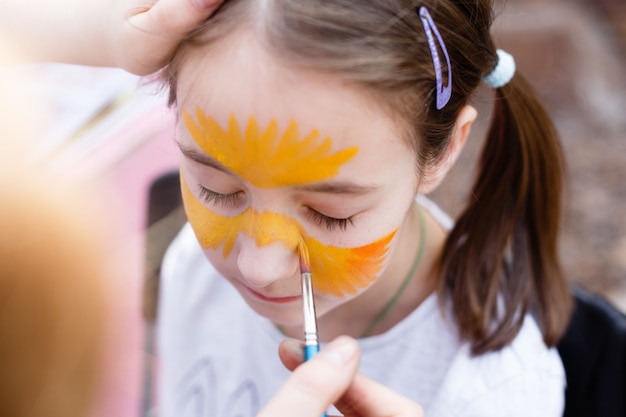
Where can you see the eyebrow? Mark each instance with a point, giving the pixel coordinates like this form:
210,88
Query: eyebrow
333,187
203,158
338,187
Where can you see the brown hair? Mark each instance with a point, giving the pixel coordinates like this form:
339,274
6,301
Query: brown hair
500,260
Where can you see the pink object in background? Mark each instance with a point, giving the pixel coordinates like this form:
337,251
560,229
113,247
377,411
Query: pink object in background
123,170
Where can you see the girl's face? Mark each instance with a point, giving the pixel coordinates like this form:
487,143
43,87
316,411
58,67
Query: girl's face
271,155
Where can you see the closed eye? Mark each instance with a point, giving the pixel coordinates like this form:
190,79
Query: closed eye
328,222
218,199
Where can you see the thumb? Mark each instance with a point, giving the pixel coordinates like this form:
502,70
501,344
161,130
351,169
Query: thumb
174,17
316,384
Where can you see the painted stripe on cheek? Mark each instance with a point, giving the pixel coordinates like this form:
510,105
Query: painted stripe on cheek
336,271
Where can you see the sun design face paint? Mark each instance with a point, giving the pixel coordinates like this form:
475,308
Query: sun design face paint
337,271
262,157
267,161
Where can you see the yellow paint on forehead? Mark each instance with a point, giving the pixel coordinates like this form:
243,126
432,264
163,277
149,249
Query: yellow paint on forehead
336,271
266,157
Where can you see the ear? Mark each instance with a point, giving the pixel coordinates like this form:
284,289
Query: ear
462,127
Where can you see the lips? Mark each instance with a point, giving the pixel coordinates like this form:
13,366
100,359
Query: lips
275,300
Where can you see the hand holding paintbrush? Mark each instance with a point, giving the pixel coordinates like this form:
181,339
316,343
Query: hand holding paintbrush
332,377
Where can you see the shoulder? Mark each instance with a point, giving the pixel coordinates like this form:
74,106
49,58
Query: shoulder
185,266
183,253
188,280
523,379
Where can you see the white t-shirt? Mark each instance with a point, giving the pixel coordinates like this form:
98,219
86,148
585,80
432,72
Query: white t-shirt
219,358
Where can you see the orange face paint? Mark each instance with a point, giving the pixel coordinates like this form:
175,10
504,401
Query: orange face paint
267,159
213,230
337,271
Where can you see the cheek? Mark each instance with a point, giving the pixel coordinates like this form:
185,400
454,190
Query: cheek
227,267
341,271
213,230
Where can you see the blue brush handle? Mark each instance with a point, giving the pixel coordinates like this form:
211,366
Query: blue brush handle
309,352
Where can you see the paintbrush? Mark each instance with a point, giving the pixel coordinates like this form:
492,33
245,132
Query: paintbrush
311,340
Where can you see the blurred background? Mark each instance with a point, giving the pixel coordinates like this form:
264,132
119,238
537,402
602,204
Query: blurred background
113,133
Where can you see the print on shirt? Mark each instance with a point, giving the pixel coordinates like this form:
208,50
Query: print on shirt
196,395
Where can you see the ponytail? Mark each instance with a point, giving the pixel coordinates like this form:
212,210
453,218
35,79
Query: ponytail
501,260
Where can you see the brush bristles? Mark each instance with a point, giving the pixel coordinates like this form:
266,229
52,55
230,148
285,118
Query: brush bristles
305,262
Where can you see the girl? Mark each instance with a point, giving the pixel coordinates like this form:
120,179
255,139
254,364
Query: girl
327,123
57,374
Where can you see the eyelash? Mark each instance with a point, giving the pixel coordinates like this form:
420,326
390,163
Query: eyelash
226,200
231,200
330,222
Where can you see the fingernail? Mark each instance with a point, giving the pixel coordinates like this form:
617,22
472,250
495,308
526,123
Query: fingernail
295,349
340,351
204,4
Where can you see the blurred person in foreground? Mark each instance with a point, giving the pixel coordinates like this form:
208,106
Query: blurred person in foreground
53,289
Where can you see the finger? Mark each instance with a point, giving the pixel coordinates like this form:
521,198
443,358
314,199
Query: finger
291,353
316,384
367,398
175,17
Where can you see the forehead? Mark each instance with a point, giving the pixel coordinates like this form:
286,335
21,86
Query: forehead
236,76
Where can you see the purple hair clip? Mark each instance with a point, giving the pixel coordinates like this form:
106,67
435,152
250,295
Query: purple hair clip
443,92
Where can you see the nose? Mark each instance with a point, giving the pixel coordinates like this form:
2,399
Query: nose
263,265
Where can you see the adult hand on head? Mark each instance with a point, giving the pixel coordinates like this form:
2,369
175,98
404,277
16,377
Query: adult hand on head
331,377
145,33
136,35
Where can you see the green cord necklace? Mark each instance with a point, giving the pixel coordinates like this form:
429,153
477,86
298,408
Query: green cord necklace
383,313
